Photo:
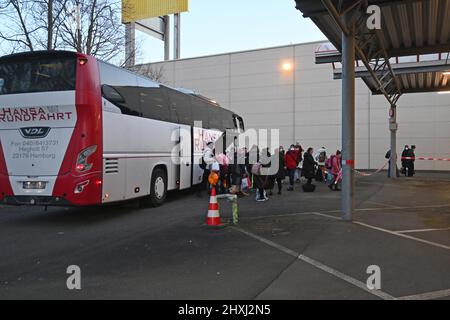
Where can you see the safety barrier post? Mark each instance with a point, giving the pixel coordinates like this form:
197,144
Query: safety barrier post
234,205
393,128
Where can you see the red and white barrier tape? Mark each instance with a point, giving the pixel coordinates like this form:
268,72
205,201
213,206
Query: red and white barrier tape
363,174
425,158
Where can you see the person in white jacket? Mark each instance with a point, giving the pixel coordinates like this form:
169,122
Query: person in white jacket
321,157
208,155
210,163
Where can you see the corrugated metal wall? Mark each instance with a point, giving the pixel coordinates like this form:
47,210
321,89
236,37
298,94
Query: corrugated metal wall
305,103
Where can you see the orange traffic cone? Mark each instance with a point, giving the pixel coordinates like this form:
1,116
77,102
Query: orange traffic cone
213,218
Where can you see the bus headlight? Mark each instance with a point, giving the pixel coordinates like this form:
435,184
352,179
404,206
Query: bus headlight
82,160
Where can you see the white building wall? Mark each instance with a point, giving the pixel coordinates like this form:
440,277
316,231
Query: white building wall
305,103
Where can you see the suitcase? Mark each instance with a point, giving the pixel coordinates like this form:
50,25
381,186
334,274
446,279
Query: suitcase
308,187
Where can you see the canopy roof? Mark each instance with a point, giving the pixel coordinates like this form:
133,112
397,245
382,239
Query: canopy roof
409,27
394,59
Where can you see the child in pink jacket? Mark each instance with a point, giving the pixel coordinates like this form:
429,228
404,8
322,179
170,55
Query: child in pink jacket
336,171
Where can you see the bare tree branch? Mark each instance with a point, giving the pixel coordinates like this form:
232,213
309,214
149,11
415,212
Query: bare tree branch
51,25
153,72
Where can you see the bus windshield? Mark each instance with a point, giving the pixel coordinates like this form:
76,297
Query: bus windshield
37,74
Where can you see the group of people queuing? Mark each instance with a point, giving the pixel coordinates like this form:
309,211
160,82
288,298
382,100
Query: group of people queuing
256,169
408,159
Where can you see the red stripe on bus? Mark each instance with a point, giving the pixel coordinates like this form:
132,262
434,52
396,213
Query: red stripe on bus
88,132
5,185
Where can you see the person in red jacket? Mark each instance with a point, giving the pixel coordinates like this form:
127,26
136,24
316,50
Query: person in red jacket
291,163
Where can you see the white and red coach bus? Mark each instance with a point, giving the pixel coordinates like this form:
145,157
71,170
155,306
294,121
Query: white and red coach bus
77,131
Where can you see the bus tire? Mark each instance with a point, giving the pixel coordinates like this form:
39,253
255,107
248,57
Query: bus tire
158,189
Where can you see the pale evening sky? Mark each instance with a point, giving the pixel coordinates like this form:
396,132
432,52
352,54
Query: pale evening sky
218,26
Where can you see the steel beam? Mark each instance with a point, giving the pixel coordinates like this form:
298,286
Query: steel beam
177,35
370,50
130,44
393,129
167,38
402,68
348,119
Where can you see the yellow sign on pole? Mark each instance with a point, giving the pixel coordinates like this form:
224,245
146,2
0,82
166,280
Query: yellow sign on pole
134,10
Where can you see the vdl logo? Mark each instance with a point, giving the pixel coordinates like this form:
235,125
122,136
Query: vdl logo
34,132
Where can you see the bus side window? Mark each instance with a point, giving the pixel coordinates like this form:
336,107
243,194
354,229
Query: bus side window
241,124
154,104
180,107
238,123
172,105
200,112
215,117
123,97
227,119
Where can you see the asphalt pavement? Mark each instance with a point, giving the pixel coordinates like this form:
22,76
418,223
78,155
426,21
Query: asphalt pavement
294,246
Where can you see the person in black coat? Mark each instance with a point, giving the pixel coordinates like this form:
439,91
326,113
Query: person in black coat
261,178
388,157
405,154
281,173
266,159
309,165
410,163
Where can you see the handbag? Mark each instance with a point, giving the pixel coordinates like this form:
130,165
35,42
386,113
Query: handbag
245,184
256,168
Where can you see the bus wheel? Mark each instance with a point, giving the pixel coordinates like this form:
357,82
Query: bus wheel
158,189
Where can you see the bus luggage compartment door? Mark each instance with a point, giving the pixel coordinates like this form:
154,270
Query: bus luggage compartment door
185,157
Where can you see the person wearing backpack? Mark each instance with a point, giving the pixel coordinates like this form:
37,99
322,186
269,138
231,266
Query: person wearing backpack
335,168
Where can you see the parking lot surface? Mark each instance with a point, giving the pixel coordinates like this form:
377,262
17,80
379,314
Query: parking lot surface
294,246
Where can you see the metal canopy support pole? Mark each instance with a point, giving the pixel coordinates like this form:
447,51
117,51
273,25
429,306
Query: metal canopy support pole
393,128
130,44
177,34
348,117
166,38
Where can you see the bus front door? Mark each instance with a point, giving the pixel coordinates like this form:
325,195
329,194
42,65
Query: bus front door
185,164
